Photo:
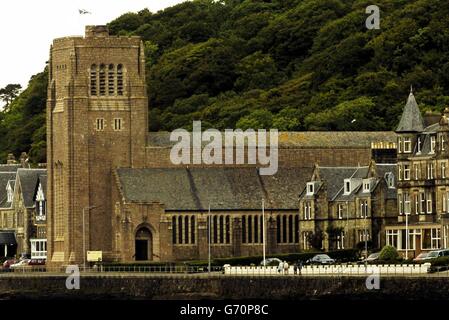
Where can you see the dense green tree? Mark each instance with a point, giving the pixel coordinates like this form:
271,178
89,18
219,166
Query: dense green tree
9,93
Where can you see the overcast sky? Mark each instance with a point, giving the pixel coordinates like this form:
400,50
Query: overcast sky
27,28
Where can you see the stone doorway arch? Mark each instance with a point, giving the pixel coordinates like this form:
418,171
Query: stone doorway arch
143,244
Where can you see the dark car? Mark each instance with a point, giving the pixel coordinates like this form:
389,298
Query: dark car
37,262
8,263
321,259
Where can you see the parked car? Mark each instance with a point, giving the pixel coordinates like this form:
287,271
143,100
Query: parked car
21,263
421,257
321,259
7,264
372,257
436,254
271,262
37,262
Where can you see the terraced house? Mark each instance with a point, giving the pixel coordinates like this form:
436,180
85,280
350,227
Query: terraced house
423,184
347,207
18,211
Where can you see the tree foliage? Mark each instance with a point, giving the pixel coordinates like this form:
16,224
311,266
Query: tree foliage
289,64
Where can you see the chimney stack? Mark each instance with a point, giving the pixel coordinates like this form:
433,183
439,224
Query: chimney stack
11,159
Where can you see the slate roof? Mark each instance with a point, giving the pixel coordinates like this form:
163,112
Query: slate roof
239,188
411,119
305,139
4,178
9,167
28,180
333,178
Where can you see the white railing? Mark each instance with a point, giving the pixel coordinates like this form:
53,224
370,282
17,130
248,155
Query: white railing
355,269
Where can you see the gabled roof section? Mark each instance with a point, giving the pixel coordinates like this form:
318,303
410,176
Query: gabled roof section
28,179
5,177
411,120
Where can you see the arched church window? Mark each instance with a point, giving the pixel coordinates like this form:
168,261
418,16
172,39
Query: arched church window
102,79
243,229
192,229
111,84
120,80
93,80
228,229
173,228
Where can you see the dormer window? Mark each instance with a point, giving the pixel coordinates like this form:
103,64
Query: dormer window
389,176
9,192
407,145
432,144
366,185
347,189
310,188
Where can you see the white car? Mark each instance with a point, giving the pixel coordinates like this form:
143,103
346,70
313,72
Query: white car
21,263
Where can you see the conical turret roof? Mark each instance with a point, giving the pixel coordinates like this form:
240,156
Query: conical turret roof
411,120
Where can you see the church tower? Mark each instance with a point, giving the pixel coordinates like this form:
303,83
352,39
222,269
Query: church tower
97,112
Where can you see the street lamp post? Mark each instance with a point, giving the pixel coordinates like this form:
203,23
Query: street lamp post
84,234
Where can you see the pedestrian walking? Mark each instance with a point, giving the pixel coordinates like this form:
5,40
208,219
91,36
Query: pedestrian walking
295,268
285,267
300,266
281,267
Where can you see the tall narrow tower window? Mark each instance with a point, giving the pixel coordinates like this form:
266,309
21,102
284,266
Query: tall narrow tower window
93,80
111,84
120,80
102,79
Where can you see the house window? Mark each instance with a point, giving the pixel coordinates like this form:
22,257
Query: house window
305,240
407,208
422,200
416,197
99,123
432,144
400,143
442,142
118,124
444,201
364,208
416,170
340,211
400,172
392,238
363,235
430,169
418,145
429,203
366,186
406,172
341,240
310,188
407,145
401,203
443,170
435,238
307,211
347,186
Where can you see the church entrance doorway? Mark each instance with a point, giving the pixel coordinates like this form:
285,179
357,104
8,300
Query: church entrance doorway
143,245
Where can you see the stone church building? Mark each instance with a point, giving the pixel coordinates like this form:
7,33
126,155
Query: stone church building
111,186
